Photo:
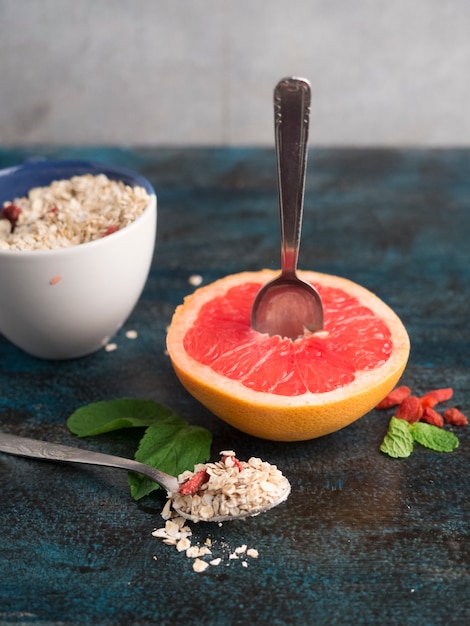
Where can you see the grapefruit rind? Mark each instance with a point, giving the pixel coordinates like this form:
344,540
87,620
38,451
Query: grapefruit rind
285,418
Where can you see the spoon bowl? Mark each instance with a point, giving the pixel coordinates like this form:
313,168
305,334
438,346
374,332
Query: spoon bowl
287,305
37,449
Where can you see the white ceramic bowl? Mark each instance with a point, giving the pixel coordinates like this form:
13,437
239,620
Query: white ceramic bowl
100,281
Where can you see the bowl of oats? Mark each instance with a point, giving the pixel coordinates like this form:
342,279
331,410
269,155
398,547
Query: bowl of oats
76,245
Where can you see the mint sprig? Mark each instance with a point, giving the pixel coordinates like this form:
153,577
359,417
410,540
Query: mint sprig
169,442
401,435
437,439
103,417
171,445
398,442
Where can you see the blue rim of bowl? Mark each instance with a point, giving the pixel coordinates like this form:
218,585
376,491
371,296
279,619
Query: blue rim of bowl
76,167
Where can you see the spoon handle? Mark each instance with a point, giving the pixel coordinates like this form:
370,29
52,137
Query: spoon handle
37,449
291,121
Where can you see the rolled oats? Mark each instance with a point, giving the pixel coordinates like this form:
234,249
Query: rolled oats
253,553
183,544
232,488
195,280
217,495
69,212
199,565
178,534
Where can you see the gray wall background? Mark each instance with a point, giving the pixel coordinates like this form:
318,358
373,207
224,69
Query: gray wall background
184,72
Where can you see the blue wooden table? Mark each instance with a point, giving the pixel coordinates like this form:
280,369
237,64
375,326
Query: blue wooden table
363,539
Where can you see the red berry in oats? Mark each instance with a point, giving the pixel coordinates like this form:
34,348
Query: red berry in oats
394,397
11,212
430,416
193,484
234,461
436,396
49,212
410,409
110,230
455,417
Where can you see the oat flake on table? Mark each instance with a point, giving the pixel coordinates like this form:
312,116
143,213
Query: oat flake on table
70,212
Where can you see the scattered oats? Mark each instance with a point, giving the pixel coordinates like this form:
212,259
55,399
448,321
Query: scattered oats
192,552
55,279
167,513
170,541
110,347
195,280
160,532
70,212
177,533
183,544
131,334
173,527
199,565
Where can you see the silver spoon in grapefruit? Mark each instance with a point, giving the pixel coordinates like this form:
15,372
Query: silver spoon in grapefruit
288,305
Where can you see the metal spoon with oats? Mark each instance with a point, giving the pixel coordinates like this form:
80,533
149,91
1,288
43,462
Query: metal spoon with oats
37,449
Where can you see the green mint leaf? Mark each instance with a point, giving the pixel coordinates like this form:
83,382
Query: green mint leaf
169,444
398,442
433,437
103,417
173,446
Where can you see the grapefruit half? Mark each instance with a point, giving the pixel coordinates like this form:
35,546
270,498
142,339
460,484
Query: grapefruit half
275,388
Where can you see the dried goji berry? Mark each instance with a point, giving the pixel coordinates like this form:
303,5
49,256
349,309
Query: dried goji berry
11,213
110,230
235,461
53,210
410,409
394,397
431,398
455,417
193,484
432,417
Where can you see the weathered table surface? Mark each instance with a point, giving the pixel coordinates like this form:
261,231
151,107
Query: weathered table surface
363,539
